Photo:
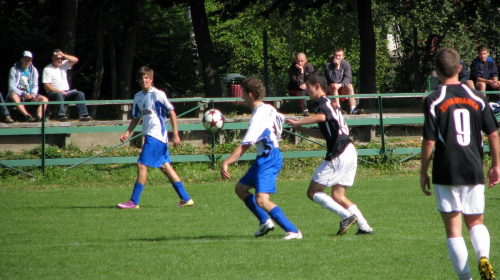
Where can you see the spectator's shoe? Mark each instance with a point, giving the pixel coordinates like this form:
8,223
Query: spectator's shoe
188,203
128,205
85,118
346,223
7,119
38,119
29,118
63,118
265,228
485,269
363,232
358,111
292,235
305,113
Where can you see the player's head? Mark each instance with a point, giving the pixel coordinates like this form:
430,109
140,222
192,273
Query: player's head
255,86
447,62
483,52
144,77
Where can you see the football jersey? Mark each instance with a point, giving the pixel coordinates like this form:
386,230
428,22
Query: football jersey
264,129
154,108
334,129
455,115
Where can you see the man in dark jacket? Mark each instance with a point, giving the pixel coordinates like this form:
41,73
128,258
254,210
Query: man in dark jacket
297,74
484,71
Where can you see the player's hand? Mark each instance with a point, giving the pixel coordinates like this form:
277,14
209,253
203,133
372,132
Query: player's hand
493,176
425,184
176,140
124,136
223,172
292,122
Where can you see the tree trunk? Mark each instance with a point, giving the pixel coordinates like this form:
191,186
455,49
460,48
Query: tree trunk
99,66
206,52
368,46
127,51
67,28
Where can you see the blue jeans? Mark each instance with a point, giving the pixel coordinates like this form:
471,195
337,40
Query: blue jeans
3,109
72,95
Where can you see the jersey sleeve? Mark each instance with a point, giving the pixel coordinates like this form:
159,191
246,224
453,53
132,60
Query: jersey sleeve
429,122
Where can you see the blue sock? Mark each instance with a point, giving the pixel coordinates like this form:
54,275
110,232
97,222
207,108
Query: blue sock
255,209
136,194
181,192
279,217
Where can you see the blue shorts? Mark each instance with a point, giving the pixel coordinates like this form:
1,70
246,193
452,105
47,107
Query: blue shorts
154,152
263,173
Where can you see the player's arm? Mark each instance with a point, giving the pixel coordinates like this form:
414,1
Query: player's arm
176,140
131,126
426,156
234,156
298,125
494,172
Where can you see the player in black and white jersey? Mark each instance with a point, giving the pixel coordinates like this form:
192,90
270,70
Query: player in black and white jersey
455,116
339,167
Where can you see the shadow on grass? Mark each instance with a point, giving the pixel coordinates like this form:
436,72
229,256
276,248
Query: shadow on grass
194,238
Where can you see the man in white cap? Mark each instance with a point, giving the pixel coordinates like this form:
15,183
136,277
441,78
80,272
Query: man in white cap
23,86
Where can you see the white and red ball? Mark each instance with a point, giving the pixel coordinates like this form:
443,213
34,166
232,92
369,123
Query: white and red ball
213,120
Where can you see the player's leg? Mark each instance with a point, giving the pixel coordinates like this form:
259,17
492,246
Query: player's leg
277,214
265,223
142,175
177,184
316,194
20,108
457,250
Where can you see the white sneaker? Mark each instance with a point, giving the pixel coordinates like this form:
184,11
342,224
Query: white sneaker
265,228
292,235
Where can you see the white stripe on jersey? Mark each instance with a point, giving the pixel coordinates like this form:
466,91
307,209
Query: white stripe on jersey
473,96
263,128
442,95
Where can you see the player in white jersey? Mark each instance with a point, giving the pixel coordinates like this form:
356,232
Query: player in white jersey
152,105
455,116
339,167
264,131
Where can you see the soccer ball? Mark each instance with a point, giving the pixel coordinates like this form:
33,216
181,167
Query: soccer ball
213,120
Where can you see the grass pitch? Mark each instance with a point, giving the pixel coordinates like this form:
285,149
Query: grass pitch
66,228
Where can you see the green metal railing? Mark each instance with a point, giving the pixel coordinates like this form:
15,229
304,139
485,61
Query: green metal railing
43,130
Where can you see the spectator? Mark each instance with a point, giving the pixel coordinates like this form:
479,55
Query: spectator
463,76
4,112
56,84
484,71
338,75
23,86
297,74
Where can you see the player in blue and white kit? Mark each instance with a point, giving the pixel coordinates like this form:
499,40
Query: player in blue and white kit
339,167
455,115
264,131
152,106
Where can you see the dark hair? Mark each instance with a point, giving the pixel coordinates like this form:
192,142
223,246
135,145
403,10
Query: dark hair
482,48
447,62
339,50
255,86
317,77
144,70
55,51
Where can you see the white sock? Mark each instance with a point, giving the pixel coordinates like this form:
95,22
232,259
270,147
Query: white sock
362,223
480,238
327,201
352,108
459,257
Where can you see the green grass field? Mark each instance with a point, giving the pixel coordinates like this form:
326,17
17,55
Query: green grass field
66,226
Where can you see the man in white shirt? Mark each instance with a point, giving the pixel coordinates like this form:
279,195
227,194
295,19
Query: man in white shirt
55,82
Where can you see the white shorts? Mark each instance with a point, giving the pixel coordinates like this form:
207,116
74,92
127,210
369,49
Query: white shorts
338,171
468,199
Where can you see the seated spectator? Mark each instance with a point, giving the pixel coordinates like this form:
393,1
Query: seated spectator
297,74
338,75
463,76
4,112
56,84
484,71
23,86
